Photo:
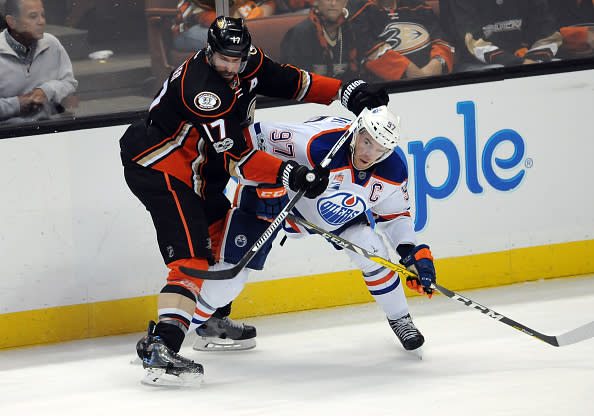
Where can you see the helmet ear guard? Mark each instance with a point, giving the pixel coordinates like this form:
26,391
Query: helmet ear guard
230,37
382,125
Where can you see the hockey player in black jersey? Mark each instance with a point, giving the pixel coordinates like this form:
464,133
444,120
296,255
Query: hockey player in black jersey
178,162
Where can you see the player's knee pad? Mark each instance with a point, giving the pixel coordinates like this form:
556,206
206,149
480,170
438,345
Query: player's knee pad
218,293
364,236
243,230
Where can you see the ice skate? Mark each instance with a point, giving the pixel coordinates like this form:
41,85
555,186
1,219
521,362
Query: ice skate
225,334
163,366
408,334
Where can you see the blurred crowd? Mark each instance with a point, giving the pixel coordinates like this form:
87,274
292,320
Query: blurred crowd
377,40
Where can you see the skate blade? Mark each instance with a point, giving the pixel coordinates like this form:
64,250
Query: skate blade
159,378
220,344
418,353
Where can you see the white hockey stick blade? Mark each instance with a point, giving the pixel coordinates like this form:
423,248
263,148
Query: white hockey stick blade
579,334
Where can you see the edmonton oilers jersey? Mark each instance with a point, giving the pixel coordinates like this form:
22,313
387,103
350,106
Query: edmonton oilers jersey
350,192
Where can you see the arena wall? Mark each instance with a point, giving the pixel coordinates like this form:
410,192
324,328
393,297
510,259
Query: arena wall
499,173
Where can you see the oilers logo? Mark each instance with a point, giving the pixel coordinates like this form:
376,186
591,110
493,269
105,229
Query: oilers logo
340,208
240,240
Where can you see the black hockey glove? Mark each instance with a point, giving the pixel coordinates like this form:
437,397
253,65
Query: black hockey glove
356,94
420,262
296,177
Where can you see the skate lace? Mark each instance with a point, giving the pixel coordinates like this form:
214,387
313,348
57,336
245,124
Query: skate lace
233,324
404,328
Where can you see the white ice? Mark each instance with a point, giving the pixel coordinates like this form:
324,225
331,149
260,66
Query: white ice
340,361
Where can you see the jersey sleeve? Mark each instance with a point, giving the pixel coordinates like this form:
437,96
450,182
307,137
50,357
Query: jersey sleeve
575,38
285,141
290,82
393,218
392,215
256,166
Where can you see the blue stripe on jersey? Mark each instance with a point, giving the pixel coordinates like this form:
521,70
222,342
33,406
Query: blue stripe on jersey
386,289
392,169
322,144
257,128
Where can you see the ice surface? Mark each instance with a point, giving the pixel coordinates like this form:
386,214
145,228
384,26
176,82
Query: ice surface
340,361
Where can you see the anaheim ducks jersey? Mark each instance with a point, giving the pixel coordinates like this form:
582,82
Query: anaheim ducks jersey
194,129
382,188
408,27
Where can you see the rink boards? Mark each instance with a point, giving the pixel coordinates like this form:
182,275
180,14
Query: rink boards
499,176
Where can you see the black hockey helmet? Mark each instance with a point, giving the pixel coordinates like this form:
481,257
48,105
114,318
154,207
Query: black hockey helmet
230,37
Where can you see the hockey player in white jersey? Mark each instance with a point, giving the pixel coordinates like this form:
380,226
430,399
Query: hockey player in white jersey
367,175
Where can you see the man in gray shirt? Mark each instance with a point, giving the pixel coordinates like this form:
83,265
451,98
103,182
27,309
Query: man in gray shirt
36,70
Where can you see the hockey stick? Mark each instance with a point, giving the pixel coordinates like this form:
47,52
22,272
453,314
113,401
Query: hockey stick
234,271
571,337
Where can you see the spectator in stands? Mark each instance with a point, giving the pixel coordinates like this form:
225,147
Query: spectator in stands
576,19
2,18
324,43
291,6
409,29
195,16
36,70
502,33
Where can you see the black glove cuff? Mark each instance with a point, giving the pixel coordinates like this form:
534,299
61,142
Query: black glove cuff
284,173
404,250
348,89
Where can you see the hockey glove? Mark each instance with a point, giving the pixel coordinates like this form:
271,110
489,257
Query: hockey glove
420,262
356,94
272,199
297,177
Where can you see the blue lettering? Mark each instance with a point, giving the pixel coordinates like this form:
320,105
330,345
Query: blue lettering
466,108
515,159
423,189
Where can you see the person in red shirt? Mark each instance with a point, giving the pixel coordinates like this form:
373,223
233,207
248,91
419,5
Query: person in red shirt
576,19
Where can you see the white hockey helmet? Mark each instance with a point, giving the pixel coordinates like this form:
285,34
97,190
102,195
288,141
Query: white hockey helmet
382,125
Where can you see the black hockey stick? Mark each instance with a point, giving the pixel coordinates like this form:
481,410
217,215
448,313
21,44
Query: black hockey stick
571,337
234,271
